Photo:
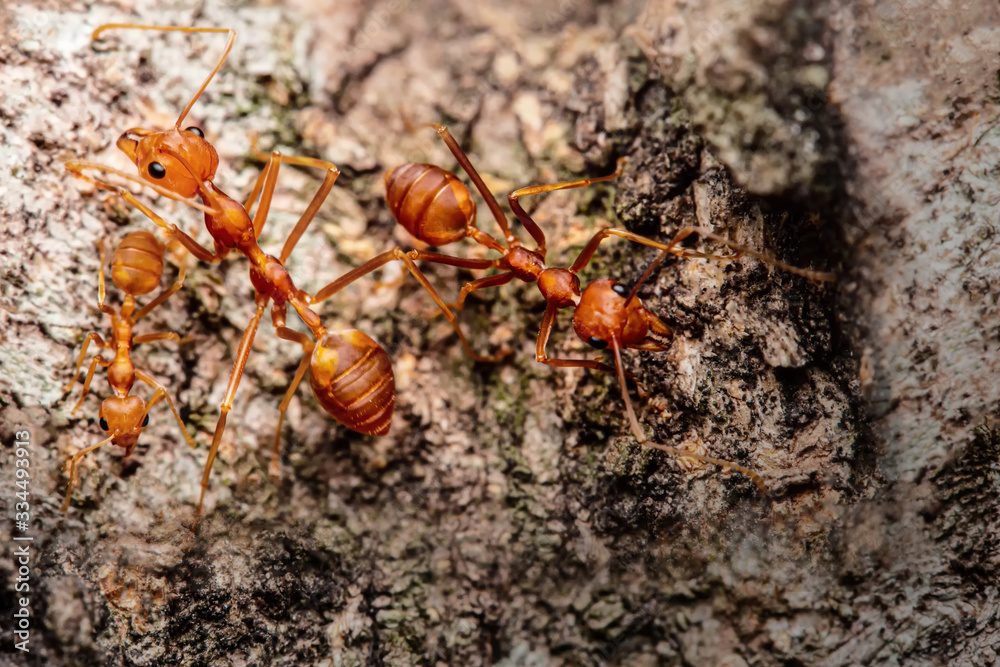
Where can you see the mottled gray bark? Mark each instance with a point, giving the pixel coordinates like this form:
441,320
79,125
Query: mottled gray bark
509,518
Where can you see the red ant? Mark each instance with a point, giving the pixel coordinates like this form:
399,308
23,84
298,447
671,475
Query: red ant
437,208
350,373
136,268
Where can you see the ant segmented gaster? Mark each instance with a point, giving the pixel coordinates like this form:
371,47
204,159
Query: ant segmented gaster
136,269
350,374
437,208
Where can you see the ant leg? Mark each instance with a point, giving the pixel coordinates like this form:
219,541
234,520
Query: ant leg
408,260
150,338
530,225
72,469
93,335
658,326
265,188
353,275
101,291
460,262
818,276
266,180
135,26
637,432
482,283
548,321
388,256
161,297
673,247
161,392
90,377
274,470
283,332
438,258
175,233
477,180
689,464
239,365
307,217
588,251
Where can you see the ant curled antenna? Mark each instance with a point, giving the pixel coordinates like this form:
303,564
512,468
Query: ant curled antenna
350,374
136,269
437,208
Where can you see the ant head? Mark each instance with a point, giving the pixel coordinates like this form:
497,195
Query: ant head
175,159
123,418
605,313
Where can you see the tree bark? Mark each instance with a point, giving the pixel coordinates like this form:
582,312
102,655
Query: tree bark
509,517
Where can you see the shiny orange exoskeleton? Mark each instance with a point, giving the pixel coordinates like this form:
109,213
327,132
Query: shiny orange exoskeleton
136,269
180,164
437,208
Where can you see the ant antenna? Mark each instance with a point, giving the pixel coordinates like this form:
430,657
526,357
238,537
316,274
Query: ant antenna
638,434
76,168
160,28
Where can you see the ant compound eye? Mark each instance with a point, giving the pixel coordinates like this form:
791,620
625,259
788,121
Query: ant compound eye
145,419
195,130
156,170
104,424
596,342
620,290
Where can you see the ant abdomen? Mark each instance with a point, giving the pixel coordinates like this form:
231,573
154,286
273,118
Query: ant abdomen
352,379
429,202
137,265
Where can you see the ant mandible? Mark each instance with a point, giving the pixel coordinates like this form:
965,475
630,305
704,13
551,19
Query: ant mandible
136,268
437,208
350,374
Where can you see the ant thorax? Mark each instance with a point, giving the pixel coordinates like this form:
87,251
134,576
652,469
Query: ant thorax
559,287
525,264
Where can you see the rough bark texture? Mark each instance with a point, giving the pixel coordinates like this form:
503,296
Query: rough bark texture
509,518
